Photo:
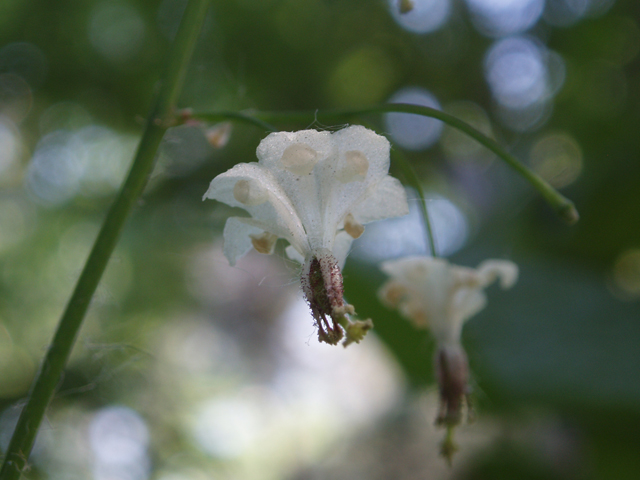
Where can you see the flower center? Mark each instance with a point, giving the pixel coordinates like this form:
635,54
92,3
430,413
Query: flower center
323,290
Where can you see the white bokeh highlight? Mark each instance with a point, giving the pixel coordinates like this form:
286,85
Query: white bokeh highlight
119,439
497,18
399,237
425,17
516,71
409,131
91,161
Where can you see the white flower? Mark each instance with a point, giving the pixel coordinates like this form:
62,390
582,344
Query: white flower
315,190
439,296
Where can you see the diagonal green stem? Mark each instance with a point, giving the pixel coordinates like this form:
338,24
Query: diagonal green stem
53,365
562,205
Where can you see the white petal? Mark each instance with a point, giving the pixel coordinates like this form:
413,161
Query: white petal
429,281
466,302
434,293
253,188
289,154
354,168
388,199
294,255
237,241
505,270
339,198
374,147
328,175
341,247
249,193
273,146
299,159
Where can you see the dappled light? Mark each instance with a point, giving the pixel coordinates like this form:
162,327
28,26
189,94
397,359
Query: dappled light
414,132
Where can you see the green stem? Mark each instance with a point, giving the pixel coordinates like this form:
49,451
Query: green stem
562,205
413,181
53,365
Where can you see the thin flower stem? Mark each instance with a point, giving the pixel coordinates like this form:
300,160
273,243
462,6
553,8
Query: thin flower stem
562,205
413,181
51,370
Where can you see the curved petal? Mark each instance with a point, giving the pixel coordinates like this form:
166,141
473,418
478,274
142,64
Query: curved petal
388,199
237,240
505,270
293,254
341,247
262,197
428,282
289,156
360,164
374,147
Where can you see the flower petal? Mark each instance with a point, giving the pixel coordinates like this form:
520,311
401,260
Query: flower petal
293,254
428,281
288,156
505,270
237,240
341,247
388,199
253,188
350,177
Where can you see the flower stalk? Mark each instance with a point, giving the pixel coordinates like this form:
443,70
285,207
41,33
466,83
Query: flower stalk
160,118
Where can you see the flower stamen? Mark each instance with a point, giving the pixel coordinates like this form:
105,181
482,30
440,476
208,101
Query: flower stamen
264,243
323,289
353,227
355,167
249,193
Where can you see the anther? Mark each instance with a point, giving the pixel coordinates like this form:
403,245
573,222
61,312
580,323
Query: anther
299,159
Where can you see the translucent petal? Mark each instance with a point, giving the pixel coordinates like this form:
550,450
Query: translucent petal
294,255
237,241
387,199
253,188
305,192
428,281
341,247
339,198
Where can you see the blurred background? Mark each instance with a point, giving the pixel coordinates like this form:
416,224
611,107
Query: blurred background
188,369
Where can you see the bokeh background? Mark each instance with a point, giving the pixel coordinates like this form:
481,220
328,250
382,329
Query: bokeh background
187,369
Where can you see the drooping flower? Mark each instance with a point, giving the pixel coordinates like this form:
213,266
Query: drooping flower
316,190
439,296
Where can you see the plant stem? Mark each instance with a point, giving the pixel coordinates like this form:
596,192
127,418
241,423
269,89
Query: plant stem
413,181
562,205
53,365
